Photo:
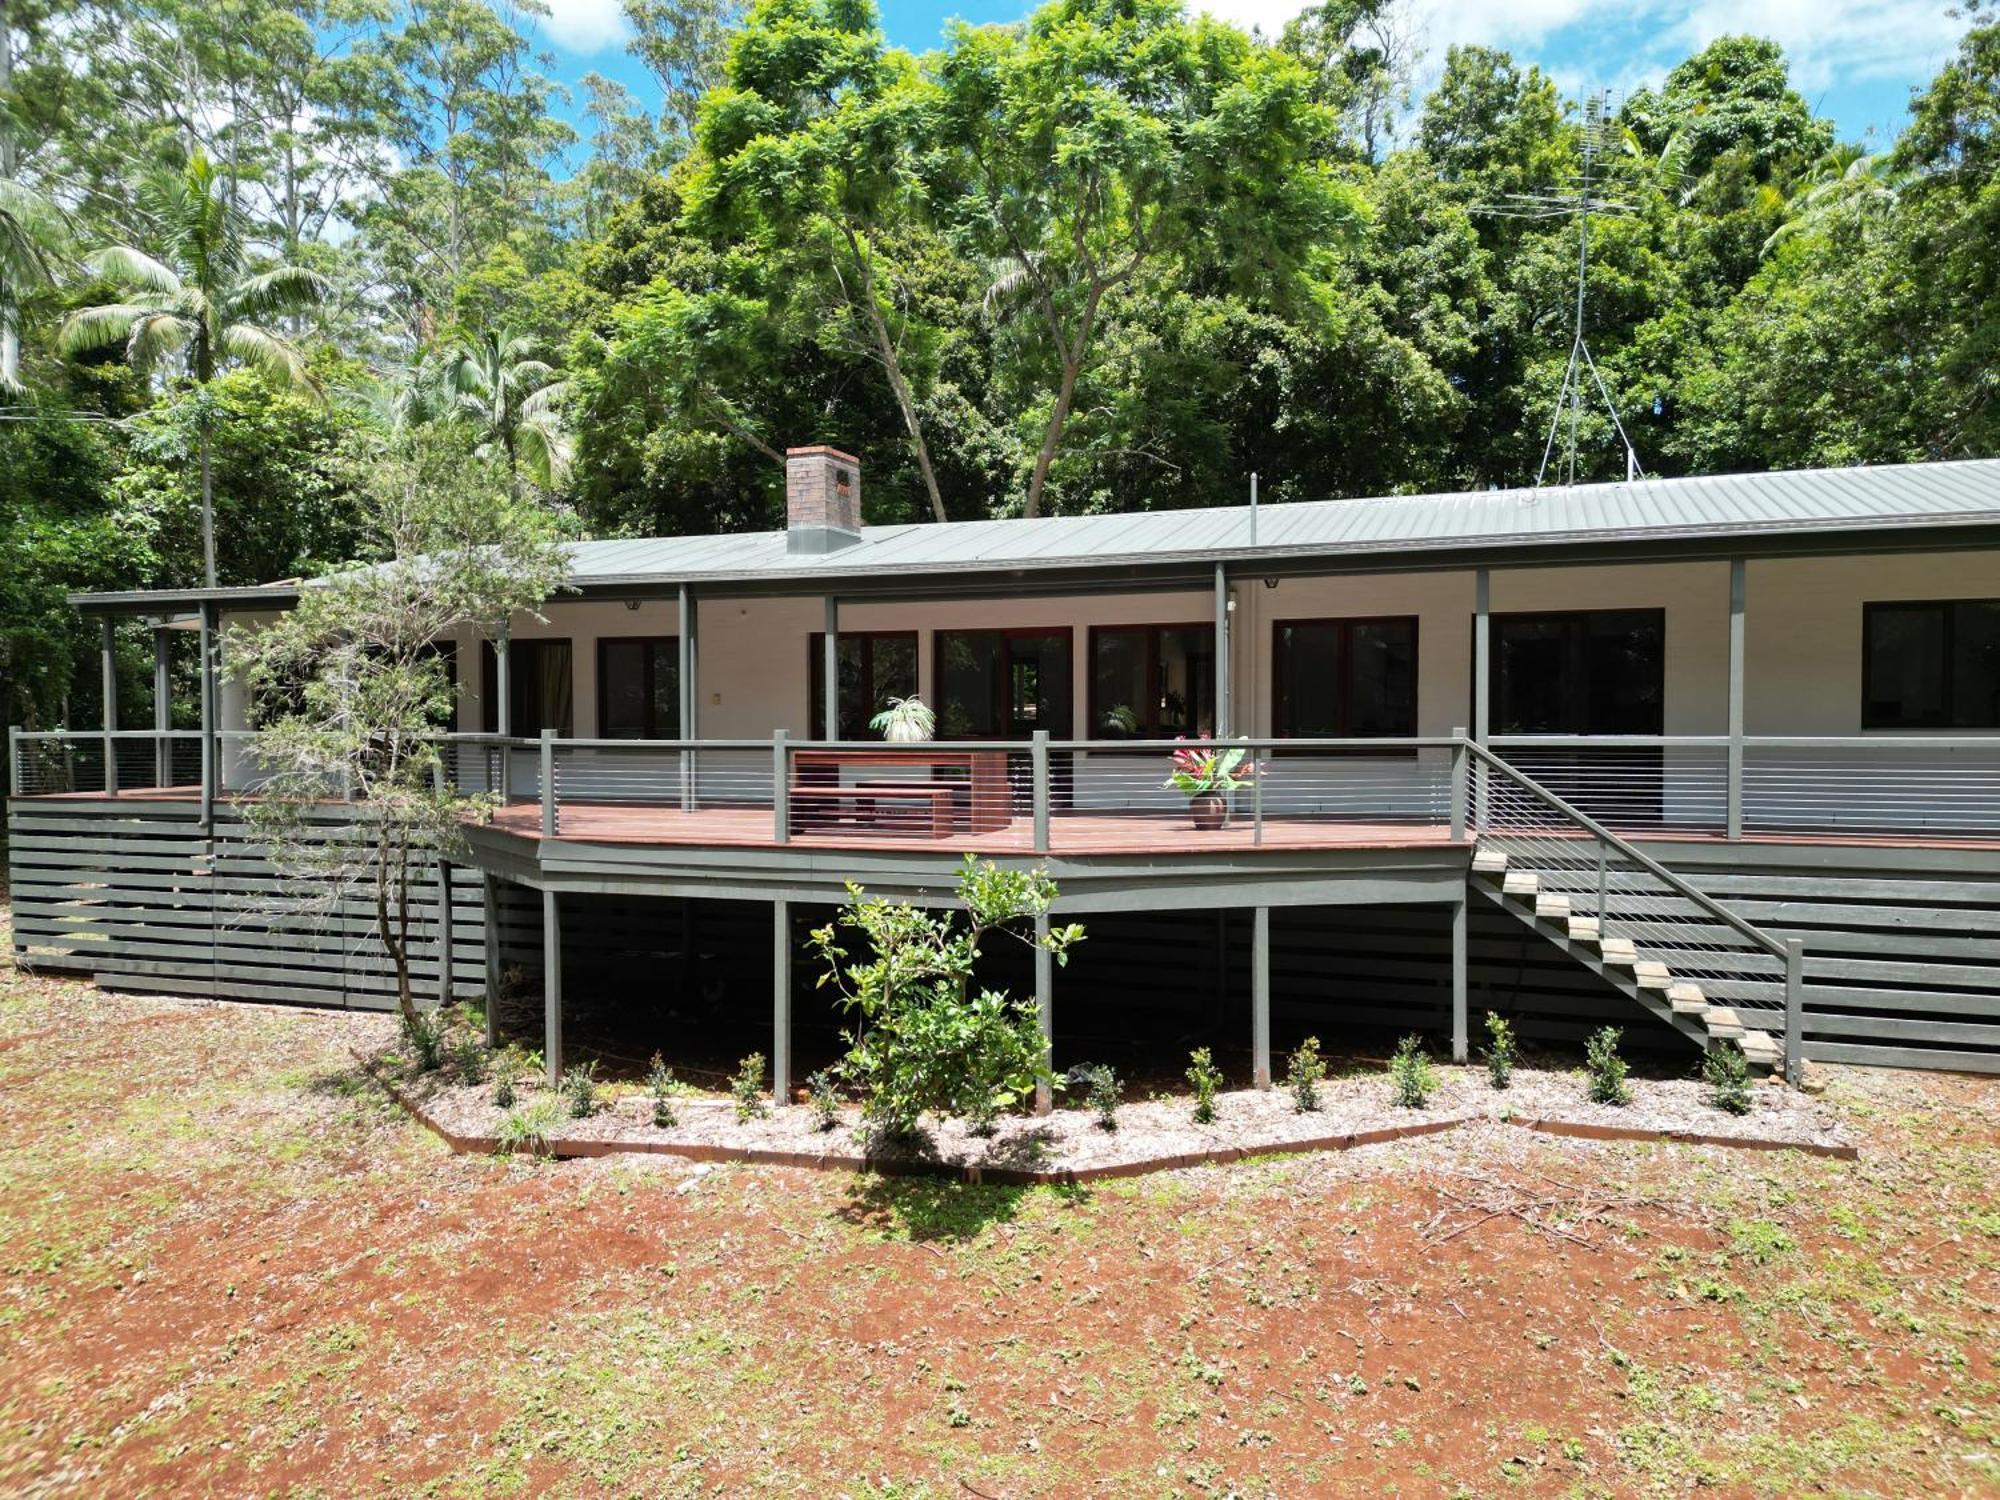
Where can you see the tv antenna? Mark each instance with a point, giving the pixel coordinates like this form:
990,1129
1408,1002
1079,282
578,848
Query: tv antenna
1602,139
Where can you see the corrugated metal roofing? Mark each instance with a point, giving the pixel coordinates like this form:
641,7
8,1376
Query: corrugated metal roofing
1826,500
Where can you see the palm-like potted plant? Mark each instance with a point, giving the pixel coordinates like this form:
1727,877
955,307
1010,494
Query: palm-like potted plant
1206,773
906,721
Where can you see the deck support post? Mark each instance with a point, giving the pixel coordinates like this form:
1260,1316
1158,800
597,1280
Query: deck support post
110,708
830,671
1461,1038
210,761
444,917
690,697
552,986
503,707
1038,788
489,901
1223,729
1482,672
1461,766
781,789
1045,1009
1795,1008
781,1001
163,708
547,776
1734,815
1260,996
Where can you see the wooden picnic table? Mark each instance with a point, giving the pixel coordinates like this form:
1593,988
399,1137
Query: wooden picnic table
819,774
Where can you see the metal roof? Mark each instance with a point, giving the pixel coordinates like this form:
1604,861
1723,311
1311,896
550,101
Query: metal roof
1964,493
1853,509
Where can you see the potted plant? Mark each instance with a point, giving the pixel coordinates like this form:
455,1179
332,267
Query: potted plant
1206,773
906,721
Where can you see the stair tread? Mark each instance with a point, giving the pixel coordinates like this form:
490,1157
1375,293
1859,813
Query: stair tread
1487,861
1520,883
1583,929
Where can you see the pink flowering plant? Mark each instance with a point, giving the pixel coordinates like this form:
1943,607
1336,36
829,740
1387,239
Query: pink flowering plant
1205,769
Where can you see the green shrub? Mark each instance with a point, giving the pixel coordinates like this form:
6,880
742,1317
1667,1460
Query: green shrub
1098,1083
425,1039
1500,1050
1412,1079
823,1099
468,1057
579,1090
1205,1078
503,1089
1727,1071
1606,1068
528,1128
1304,1074
664,1089
747,1088
922,1042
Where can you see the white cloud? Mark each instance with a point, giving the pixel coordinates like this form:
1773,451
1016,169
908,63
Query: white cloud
586,25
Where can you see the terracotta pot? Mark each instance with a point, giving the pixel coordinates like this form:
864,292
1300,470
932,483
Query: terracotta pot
1209,811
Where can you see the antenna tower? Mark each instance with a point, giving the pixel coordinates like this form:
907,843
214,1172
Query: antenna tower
1602,140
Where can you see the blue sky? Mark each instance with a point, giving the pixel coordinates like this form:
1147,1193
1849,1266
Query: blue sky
1856,60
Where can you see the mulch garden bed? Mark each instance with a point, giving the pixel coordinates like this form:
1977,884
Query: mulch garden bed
1151,1135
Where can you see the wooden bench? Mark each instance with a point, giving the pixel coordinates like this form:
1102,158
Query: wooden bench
920,808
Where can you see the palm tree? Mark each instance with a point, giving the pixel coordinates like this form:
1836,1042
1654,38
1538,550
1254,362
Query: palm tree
195,306
497,384
31,237
1847,183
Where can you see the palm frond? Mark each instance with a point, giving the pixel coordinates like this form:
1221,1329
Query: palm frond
281,289
272,355
91,328
157,337
133,268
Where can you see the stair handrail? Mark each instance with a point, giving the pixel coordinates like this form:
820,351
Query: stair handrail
1775,946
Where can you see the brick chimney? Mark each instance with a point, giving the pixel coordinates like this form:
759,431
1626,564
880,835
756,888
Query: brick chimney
822,499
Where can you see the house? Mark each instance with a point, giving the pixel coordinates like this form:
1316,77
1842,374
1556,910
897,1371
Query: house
1716,757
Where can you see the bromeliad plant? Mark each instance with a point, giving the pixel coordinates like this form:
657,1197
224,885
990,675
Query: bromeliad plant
1205,769
923,1042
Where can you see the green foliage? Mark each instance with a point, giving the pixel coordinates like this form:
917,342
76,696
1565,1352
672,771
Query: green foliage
503,1088
664,1090
1606,1069
1101,1089
1303,1075
1412,1079
923,1043
823,1098
529,1127
579,1089
1727,1073
746,1088
1205,1078
425,1038
1500,1050
469,1057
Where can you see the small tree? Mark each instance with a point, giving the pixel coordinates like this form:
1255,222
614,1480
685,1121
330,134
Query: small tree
350,688
923,1043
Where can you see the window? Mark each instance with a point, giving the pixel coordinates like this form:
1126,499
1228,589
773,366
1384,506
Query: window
1151,682
874,666
1931,665
1599,671
1003,684
538,683
639,687
1344,679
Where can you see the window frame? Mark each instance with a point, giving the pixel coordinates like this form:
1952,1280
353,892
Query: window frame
816,668
1151,729
489,683
673,642
1280,700
1494,697
1003,674
1947,610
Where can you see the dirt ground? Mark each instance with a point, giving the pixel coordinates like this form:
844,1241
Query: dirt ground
228,1265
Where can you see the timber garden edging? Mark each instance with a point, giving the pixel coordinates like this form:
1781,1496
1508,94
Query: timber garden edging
975,1173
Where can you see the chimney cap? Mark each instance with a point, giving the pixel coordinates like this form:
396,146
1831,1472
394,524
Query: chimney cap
819,448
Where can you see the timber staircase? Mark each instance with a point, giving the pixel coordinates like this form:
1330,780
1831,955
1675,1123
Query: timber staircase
1624,916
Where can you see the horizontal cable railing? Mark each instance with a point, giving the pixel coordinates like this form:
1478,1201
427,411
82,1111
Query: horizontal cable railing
1600,877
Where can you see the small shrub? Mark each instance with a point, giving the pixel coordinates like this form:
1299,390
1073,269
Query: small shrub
1099,1085
822,1100
1500,1050
1727,1072
1304,1075
425,1039
747,1088
468,1057
1606,1068
664,1089
1412,1079
503,1089
579,1090
1205,1078
529,1127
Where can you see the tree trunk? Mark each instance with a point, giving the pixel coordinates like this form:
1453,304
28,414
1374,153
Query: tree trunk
207,494
892,364
1072,358
10,332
